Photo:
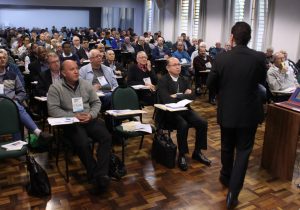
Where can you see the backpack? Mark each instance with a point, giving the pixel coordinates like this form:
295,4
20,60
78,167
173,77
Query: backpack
39,184
117,168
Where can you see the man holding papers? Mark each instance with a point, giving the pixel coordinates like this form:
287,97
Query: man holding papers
142,74
171,89
100,76
74,97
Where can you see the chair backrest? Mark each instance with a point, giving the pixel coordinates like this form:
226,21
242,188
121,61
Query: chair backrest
125,98
10,119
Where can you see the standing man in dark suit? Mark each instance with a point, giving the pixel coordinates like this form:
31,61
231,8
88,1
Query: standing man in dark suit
236,76
172,88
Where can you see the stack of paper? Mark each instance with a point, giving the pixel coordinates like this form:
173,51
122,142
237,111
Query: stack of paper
139,87
16,145
62,120
124,112
136,126
179,104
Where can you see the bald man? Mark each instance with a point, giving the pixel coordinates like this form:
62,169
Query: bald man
74,97
172,88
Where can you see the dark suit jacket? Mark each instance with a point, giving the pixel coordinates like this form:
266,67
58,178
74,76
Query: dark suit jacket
44,82
146,49
236,75
81,53
136,76
35,69
166,87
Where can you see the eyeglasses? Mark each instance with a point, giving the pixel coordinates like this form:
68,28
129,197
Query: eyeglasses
97,56
177,64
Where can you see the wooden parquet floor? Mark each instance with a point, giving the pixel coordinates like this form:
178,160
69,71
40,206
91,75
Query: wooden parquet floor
149,185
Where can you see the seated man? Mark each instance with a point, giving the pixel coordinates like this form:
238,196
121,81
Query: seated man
74,97
39,65
203,62
67,53
160,51
183,57
172,88
50,76
11,87
280,77
100,76
142,74
115,66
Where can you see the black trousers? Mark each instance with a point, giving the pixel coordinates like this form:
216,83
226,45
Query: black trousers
79,135
182,121
236,146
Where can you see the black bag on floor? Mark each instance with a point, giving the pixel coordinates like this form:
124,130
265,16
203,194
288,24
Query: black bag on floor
164,150
39,184
117,168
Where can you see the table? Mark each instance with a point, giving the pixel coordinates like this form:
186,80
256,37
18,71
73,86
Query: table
280,142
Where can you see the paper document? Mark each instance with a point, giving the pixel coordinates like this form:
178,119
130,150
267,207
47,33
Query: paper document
179,104
125,112
62,120
41,98
165,108
16,145
138,87
136,126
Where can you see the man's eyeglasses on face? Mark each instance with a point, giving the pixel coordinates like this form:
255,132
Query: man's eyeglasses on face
176,64
97,56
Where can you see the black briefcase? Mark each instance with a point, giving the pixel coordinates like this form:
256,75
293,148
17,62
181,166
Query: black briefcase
164,150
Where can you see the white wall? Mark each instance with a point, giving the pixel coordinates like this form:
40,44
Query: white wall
286,28
138,6
215,13
32,17
169,20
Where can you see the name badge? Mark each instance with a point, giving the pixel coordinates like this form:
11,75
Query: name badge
1,89
147,80
208,65
102,81
77,104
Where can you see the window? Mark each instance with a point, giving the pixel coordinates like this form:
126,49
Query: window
260,25
149,15
189,19
257,17
184,16
239,8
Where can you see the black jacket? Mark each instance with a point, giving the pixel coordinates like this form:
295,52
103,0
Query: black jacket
235,76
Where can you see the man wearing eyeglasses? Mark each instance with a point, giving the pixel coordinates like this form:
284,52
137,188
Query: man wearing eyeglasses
172,88
100,76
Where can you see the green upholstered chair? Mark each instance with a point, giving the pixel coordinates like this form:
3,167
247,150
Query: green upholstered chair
9,124
126,98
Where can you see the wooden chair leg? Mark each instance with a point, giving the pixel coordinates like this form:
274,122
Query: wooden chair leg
141,143
123,150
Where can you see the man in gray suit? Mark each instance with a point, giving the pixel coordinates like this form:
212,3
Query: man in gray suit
100,76
236,76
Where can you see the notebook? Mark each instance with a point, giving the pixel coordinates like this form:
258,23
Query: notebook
293,103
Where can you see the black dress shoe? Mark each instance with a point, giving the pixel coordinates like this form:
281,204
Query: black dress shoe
224,181
182,164
231,201
201,158
212,101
